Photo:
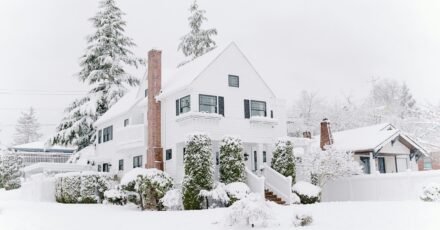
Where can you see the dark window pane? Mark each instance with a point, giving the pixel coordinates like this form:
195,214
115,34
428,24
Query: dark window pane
208,104
185,104
233,81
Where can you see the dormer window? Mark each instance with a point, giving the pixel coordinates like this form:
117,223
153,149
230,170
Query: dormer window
233,81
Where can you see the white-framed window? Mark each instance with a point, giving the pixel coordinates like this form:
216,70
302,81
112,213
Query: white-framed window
137,161
207,103
258,108
233,81
107,134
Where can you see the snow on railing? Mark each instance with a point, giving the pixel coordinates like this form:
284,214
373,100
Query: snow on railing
255,183
278,184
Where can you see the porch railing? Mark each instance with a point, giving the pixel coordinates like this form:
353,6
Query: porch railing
255,183
278,184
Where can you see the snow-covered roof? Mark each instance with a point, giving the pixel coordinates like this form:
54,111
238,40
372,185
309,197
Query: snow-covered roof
43,146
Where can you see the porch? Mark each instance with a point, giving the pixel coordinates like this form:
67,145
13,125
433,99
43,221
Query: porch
386,162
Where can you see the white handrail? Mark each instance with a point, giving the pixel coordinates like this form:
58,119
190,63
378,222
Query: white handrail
255,183
278,184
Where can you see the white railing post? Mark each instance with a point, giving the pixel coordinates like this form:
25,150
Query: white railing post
255,183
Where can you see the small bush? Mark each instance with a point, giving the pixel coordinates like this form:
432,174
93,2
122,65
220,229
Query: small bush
237,191
115,196
307,192
431,193
172,200
216,197
302,220
251,211
295,198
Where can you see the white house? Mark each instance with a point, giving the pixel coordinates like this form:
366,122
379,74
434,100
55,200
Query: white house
219,93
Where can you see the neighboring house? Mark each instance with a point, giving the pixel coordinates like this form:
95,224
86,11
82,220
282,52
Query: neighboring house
219,93
38,152
382,148
431,162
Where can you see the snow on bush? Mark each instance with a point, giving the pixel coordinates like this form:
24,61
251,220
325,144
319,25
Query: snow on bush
150,185
232,168
294,199
115,196
82,187
283,160
329,164
431,192
172,200
302,220
308,193
10,165
237,191
216,197
251,211
198,170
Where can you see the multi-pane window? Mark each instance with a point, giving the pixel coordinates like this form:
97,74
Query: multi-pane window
185,104
137,161
99,136
207,104
233,81
107,134
126,122
168,154
121,165
258,108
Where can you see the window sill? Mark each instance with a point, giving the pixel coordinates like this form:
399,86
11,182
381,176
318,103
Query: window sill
263,120
198,115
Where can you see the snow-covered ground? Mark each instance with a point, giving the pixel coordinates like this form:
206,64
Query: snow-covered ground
16,214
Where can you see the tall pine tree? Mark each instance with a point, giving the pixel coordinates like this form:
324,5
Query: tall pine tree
283,160
27,128
103,68
232,168
198,41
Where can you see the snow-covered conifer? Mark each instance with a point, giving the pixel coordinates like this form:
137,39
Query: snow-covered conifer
283,160
103,68
232,168
198,41
27,128
198,170
10,165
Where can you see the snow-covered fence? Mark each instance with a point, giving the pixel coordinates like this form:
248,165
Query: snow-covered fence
278,184
381,187
255,183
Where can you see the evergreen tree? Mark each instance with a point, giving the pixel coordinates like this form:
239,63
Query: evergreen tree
10,171
27,127
283,160
198,170
103,68
198,41
232,168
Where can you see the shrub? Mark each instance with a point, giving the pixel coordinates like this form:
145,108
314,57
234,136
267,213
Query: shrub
150,185
216,197
115,196
84,187
232,168
302,220
10,165
431,192
308,193
295,198
251,211
172,200
237,191
283,160
198,170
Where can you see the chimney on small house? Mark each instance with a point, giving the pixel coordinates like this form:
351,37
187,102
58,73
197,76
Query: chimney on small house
154,149
307,134
326,134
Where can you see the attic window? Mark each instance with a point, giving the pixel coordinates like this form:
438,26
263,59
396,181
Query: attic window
233,81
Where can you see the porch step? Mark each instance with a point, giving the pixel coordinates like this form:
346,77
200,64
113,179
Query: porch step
270,196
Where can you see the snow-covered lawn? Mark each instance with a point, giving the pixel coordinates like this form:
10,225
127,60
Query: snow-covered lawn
27,215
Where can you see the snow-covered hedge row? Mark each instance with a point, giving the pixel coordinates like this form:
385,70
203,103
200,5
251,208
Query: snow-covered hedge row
10,165
82,187
431,192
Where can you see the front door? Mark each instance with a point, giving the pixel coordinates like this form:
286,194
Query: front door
381,162
366,164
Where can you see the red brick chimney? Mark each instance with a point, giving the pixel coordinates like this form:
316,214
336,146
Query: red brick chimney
154,150
326,134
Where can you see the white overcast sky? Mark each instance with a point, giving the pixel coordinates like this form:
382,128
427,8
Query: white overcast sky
332,47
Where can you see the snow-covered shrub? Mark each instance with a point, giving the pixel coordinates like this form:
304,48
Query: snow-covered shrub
10,165
115,196
85,187
216,197
294,198
237,191
198,170
308,193
431,192
232,168
283,160
149,184
251,211
329,164
172,200
302,220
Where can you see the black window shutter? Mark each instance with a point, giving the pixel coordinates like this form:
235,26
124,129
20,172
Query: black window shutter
247,113
221,106
271,114
177,107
